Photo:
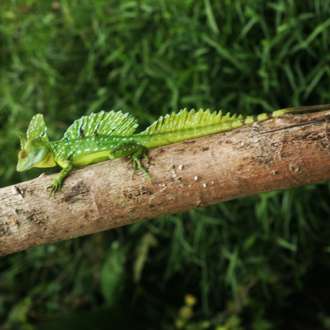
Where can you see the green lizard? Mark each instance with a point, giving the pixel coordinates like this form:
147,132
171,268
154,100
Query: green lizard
108,135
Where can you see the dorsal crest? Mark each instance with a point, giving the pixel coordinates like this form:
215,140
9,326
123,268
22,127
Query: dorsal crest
189,119
102,123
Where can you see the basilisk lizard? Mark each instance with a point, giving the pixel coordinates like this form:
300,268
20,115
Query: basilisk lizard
107,135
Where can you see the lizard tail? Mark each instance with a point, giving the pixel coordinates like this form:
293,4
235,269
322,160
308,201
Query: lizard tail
301,110
191,124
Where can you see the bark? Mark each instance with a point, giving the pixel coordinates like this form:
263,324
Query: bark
277,154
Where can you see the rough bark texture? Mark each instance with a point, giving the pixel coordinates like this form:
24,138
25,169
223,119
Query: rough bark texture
276,154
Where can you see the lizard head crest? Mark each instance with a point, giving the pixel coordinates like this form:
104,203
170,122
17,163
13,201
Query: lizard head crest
35,150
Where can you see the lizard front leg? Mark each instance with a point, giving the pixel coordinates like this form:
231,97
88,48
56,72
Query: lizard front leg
58,180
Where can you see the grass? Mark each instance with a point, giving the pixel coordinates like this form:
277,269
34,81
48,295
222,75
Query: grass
255,263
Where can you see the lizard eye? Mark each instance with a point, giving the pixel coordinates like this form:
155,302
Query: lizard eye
22,154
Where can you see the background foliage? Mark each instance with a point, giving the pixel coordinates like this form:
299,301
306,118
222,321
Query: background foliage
255,263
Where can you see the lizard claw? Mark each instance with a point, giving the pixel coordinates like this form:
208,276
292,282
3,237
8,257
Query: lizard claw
54,187
138,166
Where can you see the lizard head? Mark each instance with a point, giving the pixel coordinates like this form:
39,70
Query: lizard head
35,149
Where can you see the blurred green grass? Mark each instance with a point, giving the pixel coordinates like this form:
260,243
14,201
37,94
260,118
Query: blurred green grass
255,263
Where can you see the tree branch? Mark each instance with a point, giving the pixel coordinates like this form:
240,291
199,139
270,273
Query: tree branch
276,154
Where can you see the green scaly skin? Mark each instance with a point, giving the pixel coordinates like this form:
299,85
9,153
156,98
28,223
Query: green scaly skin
91,150
103,136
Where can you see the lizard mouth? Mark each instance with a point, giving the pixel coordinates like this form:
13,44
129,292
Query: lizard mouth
21,167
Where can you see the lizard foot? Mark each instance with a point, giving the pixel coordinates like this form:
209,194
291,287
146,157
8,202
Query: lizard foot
138,166
54,187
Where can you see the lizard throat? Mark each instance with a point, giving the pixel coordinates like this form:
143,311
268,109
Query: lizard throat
48,161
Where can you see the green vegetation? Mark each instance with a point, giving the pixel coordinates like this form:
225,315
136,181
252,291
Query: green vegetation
256,263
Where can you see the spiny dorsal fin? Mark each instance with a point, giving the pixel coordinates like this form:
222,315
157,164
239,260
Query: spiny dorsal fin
102,123
37,128
185,119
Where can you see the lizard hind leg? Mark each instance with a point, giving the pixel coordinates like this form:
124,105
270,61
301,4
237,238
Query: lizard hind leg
135,152
136,158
